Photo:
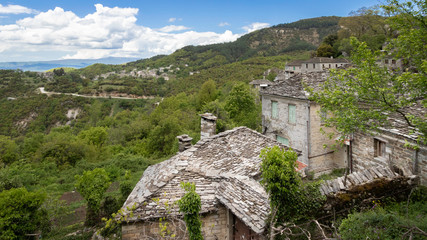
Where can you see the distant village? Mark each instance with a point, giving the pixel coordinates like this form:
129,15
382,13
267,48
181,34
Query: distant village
225,167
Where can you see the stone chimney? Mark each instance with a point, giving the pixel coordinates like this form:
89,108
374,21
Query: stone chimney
184,142
208,125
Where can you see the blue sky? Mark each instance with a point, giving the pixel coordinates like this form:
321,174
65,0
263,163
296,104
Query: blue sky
47,30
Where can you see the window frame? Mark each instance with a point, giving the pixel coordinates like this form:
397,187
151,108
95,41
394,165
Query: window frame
285,142
379,148
294,119
274,113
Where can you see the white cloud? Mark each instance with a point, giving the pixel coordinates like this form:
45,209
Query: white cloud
223,24
173,28
255,26
172,19
103,33
15,9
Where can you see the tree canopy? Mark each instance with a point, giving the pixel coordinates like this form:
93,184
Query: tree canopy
365,96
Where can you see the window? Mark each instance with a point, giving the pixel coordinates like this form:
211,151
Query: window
306,65
393,61
292,114
314,66
386,61
282,140
274,112
379,148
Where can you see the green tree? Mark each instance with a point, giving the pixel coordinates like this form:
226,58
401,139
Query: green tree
21,213
325,50
281,181
363,97
242,106
207,93
190,204
8,150
95,136
92,186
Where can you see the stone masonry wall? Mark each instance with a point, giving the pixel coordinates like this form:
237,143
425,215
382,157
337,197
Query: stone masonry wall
396,155
214,226
323,159
295,133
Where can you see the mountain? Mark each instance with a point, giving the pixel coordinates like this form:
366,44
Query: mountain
41,66
302,35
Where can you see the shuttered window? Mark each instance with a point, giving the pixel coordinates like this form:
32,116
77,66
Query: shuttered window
274,111
282,140
292,118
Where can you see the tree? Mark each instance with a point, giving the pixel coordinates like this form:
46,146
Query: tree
21,213
291,201
190,204
92,186
281,181
8,150
325,50
95,136
207,93
242,107
363,97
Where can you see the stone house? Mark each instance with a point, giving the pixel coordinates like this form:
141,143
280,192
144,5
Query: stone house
226,171
292,119
316,64
393,147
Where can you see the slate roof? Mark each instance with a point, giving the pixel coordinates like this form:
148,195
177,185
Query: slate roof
326,60
225,168
294,86
396,124
318,60
295,63
260,81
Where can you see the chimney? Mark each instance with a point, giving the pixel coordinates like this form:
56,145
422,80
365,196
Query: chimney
207,125
184,142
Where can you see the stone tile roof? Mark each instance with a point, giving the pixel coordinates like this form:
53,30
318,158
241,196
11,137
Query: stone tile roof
356,180
260,81
396,124
295,63
294,86
326,60
225,169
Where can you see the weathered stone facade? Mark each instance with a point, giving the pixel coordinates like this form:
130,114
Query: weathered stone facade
215,225
304,133
396,156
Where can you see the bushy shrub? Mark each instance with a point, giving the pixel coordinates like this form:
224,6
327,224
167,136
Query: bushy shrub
21,213
390,222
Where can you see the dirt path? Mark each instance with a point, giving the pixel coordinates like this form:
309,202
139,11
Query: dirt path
42,91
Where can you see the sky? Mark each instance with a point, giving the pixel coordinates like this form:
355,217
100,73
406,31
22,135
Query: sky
83,29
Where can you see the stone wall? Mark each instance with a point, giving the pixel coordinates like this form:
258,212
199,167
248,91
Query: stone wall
214,226
295,133
325,153
396,156
305,134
